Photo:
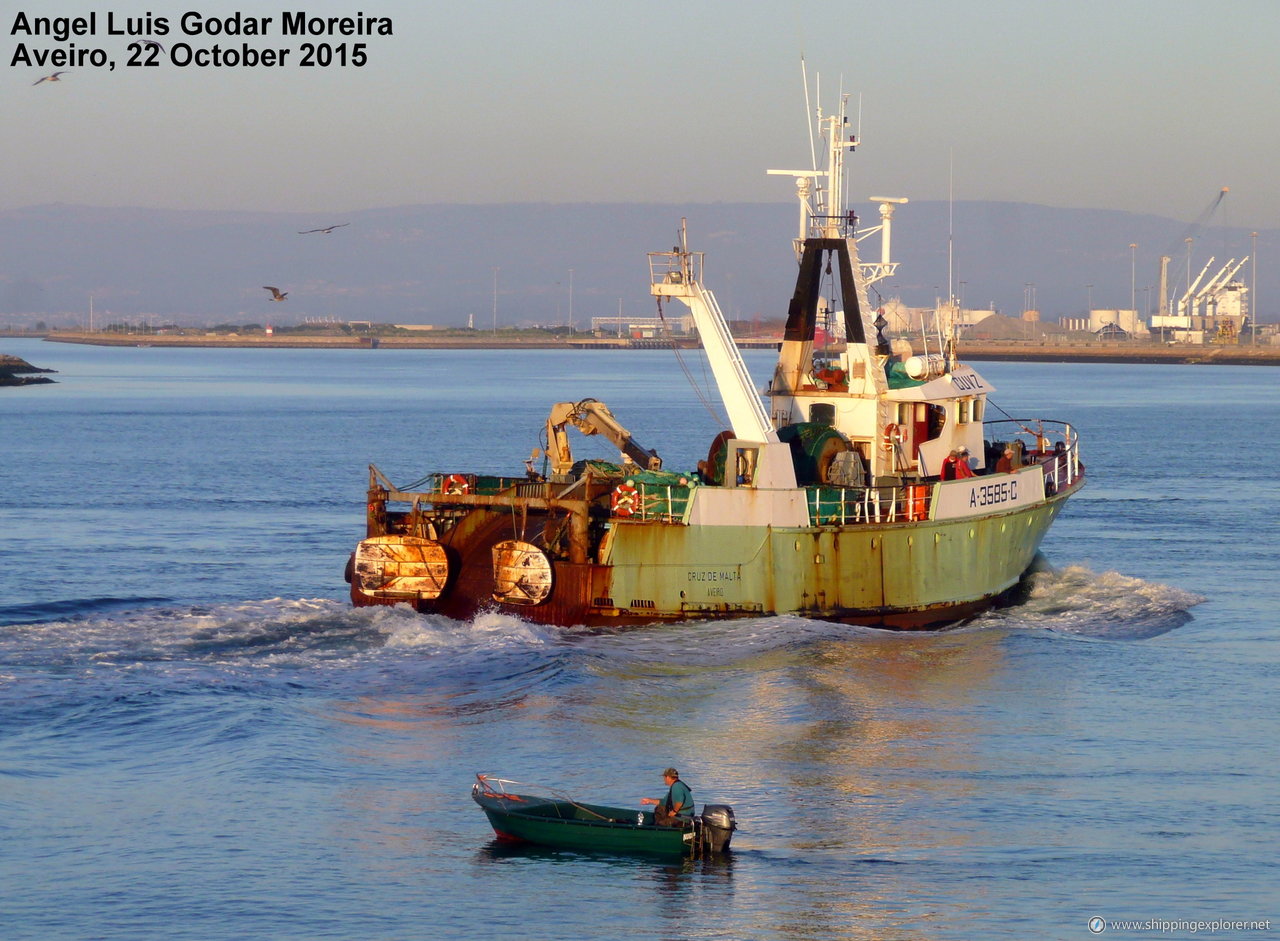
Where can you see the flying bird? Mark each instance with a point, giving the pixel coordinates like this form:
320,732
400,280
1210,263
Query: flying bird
275,293
50,78
325,230
152,42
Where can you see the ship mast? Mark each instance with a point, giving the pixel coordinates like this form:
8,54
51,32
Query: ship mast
827,227
820,213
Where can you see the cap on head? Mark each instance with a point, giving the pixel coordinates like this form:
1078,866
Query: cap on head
671,773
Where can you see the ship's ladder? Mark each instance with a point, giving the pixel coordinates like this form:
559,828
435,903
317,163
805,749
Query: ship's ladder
759,419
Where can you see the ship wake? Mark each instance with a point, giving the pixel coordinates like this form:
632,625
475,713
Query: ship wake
1076,600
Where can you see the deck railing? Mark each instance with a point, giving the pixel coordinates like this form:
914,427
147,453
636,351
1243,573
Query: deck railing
843,506
1054,445
675,267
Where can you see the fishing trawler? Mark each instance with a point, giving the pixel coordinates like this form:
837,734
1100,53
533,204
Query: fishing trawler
872,490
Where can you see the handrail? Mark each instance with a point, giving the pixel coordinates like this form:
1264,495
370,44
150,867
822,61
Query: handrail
907,502
1062,467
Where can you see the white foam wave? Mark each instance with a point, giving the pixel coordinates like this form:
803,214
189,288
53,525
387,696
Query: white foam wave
715,643
267,632
1077,600
403,627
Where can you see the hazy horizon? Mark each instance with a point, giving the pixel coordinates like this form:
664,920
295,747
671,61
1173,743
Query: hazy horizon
538,262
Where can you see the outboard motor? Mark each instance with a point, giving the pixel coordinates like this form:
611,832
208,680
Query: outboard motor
718,825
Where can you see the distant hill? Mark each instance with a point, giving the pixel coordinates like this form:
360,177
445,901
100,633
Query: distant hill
436,263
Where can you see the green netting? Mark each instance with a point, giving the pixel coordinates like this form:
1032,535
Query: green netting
597,468
636,475
896,375
829,504
662,500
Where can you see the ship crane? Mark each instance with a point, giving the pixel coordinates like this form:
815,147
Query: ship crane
1212,293
1184,303
1216,281
592,417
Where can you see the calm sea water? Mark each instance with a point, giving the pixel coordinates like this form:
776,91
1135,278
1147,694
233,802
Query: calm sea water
199,739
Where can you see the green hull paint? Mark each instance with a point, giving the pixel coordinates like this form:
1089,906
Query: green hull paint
703,552
865,573
580,826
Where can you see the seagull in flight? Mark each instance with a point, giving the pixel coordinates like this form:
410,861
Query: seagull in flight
325,230
50,78
275,293
152,42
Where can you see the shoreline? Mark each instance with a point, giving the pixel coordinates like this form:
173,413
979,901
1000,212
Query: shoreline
1117,352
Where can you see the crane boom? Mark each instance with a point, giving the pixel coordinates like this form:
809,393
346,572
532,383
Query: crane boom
591,417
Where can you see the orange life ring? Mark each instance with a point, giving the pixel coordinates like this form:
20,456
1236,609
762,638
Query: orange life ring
456,483
892,435
625,500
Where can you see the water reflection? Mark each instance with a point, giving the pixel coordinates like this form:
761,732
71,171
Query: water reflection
672,892
862,759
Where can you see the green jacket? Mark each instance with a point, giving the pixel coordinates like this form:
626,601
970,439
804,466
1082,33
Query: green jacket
679,793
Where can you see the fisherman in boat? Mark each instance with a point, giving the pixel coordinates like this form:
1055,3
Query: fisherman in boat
676,809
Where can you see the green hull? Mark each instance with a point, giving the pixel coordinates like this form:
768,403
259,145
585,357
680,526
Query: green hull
567,825
905,556
904,574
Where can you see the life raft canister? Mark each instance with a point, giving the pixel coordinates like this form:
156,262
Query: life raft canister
624,500
917,502
456,483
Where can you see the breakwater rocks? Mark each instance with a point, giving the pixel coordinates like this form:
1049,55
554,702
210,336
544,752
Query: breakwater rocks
18,372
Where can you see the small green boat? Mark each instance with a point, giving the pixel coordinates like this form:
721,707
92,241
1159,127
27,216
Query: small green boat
564,823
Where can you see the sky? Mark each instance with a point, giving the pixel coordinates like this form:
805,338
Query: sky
1136,105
